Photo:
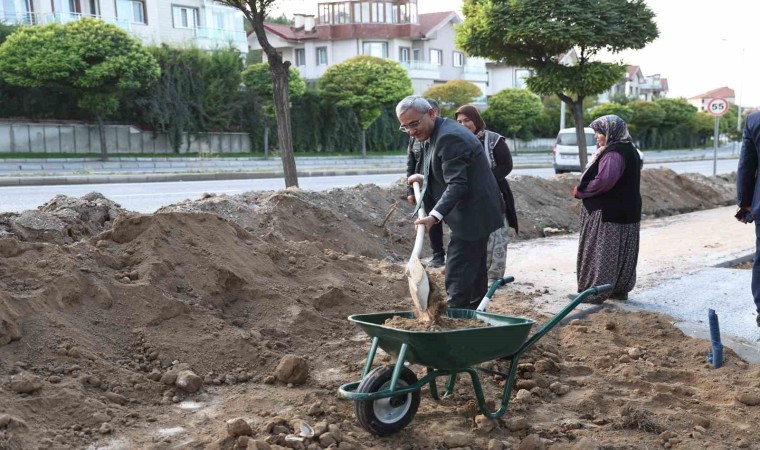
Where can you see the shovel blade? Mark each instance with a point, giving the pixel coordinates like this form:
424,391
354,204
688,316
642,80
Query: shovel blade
419,286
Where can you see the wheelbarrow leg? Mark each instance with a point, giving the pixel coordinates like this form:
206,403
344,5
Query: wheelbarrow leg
509,384
399,365
433,386
370,356
450,385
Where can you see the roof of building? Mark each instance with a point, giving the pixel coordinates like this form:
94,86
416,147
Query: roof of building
632,72
429,23
722,92
433,21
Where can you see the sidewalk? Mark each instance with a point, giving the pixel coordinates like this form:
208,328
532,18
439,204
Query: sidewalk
681,273
55,171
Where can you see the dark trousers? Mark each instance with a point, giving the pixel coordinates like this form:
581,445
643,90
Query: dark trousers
436,239
466,273
756,269
436,231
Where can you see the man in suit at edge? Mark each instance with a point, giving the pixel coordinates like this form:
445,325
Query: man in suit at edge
748,194
465,194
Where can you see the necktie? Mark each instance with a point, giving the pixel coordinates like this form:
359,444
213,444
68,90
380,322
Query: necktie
425,173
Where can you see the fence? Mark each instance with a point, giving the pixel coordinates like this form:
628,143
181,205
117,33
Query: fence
18,137
530,146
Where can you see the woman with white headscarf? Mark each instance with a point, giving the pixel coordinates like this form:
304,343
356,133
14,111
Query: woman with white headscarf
608,250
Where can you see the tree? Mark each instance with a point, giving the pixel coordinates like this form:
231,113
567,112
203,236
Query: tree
91,60
197,91
537,34
453,94
674,127
647,117
616,109
255,12
703,126
511,111
365,84
258,79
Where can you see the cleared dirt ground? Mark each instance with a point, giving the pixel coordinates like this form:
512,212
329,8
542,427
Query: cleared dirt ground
125,330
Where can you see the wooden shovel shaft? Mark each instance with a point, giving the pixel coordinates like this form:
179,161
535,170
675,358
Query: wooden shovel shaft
420,228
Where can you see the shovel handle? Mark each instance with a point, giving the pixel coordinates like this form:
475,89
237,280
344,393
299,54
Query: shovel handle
420,239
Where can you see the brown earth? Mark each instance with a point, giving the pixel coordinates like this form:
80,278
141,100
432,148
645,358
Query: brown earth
125,330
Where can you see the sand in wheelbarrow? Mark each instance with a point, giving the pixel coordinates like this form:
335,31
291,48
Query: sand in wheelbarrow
442,324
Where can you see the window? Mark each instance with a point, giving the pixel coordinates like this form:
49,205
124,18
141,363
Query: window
436,57
417,55
379,49
131,10
321,56
94,8
520,76
300,57
185,17
458,59
403,54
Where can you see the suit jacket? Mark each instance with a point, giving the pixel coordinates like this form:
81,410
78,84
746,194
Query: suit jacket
461,184
747,186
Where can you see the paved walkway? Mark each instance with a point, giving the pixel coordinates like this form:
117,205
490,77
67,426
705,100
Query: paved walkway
27,172
681,273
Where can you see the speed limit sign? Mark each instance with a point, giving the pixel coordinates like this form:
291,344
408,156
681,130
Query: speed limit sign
717,106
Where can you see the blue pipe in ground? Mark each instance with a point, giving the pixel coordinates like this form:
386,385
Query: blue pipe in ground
715,357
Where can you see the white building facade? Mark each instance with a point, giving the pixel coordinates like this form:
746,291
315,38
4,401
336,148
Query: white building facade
203,24
422,43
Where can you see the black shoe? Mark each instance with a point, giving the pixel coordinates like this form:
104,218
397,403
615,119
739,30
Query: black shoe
758,319
623,296
437,261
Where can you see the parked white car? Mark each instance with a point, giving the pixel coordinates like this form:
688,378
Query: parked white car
565,150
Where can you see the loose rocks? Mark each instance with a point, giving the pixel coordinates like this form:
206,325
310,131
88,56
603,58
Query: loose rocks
292,369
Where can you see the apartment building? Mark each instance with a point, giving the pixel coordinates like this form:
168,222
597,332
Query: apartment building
192,23
393,29
637,86
700,101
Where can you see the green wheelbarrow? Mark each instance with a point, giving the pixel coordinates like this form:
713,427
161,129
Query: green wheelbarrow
387,397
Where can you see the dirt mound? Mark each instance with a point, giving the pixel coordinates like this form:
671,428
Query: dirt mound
62,220
101,317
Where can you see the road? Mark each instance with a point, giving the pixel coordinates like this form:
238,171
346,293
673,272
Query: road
147,197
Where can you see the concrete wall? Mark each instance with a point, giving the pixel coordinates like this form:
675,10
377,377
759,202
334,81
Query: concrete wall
84,138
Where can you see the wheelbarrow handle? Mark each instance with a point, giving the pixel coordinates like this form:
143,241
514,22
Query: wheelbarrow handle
561,315
496,284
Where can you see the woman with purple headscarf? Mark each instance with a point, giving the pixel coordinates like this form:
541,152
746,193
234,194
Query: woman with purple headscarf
608,250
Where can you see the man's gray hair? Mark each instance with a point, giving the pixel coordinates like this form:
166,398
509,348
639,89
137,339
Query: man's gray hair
415,102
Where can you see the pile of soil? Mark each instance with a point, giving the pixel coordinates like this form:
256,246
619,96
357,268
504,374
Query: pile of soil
125,330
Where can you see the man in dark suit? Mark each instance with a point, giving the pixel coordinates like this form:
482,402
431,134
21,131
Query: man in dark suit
748,194
458,180
414,165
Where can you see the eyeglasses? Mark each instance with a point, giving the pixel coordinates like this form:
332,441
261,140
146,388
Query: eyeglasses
410,126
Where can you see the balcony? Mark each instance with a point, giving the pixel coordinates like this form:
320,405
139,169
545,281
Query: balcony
421,69
47,18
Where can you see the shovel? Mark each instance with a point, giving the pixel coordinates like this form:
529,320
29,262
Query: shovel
419,286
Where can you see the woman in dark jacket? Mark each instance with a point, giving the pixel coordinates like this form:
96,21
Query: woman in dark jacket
497,151
608,250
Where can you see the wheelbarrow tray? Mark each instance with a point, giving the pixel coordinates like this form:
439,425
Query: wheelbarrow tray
449,349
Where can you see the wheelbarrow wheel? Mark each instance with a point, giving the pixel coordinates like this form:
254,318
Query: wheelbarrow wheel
386,415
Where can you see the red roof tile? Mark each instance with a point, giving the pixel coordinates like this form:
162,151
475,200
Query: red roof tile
722,92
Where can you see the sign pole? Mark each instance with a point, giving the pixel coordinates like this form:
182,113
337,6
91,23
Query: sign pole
715,146
717,107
